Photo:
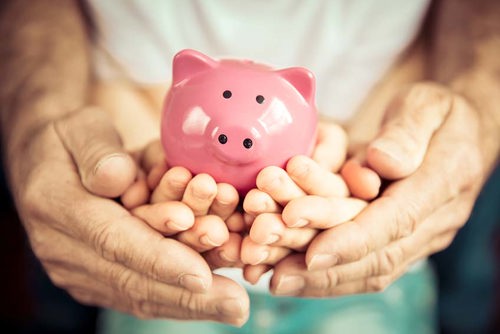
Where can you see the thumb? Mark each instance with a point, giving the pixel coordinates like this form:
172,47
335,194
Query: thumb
331,146
361,180
411,120
105,168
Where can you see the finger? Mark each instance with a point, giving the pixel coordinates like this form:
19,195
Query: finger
248,220
105,226
172,185
252,274
225,201
330,151
156,173
137,194
363,182
431,236
278,184
236,223
168,218
200,194
314,179
207,233
269,229
227,255
254,254
226,302
105,168
406,203
294,284
413,118
320,212
128,243
131,293
153,155
291,277
256,202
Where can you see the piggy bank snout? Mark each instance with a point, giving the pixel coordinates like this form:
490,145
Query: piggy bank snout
236,145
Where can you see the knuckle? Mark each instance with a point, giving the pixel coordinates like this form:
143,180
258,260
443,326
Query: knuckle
378,283
443,242
32,196
189,304
104,241
58,279
332,279
389,261
145,311
85,297
423,94
407,219
127,284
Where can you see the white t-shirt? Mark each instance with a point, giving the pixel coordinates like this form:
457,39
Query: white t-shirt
347,44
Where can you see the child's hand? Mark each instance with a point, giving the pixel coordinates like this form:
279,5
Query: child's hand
290,207
194,210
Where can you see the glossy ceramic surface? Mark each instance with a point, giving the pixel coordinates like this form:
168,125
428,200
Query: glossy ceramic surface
231,118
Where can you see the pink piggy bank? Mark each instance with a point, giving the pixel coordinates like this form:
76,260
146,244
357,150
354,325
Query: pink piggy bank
231,118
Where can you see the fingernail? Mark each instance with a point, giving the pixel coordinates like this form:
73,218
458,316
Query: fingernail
230,307
205,240
223,255
272,239
112,158
390,148
290,285
192,283
175,226
322,261
301,222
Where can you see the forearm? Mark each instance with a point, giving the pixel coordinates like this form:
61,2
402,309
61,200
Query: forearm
463,47
44,64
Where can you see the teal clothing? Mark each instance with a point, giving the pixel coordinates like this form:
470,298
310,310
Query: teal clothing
408,306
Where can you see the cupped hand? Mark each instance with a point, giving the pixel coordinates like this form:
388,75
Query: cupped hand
290,206
92,246
430,147
193,209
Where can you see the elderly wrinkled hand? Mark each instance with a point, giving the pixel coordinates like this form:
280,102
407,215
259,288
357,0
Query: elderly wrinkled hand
429,147
96,249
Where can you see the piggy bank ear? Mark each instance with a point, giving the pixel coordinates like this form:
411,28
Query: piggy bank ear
302,79
188,63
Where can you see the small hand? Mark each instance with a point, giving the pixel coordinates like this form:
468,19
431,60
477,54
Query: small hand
305,189
194,209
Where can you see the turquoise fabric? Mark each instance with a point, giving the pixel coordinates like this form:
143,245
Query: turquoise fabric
408,306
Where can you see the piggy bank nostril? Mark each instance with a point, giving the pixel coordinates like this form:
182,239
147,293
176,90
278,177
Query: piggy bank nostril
247,143
222,139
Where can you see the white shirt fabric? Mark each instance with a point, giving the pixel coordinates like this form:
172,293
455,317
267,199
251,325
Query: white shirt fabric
347,44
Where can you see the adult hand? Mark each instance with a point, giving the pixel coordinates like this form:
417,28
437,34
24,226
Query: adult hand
430,147
92,246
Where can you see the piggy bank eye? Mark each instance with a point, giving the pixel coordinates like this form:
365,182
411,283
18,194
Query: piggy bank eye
248,143
222,139
227,94
260,99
